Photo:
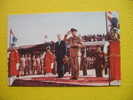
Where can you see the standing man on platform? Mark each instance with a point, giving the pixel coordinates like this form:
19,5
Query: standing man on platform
75,44
60,52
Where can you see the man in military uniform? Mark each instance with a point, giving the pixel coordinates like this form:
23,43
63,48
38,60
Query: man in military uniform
75,45
99,62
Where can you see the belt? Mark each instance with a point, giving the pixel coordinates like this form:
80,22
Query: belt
75,47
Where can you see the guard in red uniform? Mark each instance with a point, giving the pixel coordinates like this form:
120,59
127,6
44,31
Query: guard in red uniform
34,64
48,60
38,62
114,60
13,62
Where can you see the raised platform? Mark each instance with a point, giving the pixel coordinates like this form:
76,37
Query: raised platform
54,81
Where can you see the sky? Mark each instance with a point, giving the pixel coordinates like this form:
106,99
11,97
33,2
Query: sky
32,28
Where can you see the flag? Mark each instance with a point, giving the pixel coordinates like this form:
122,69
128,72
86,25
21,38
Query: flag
112,18
13,38
45,36
109,15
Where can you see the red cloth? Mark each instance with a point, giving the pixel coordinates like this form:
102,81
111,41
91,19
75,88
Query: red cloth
48,60
13,60
114,60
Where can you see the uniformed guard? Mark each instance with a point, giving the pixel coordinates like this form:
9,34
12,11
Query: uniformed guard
75,44
14,59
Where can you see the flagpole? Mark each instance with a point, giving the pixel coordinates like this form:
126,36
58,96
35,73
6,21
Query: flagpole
106,22
10,39
107,33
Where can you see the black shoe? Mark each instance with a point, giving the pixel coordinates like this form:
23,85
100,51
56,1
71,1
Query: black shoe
74,78
60,76
44,73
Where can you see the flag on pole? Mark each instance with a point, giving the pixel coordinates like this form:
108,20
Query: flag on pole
13,38
45,38
109,15
112,18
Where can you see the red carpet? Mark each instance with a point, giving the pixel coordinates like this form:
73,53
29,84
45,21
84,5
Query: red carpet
66,81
